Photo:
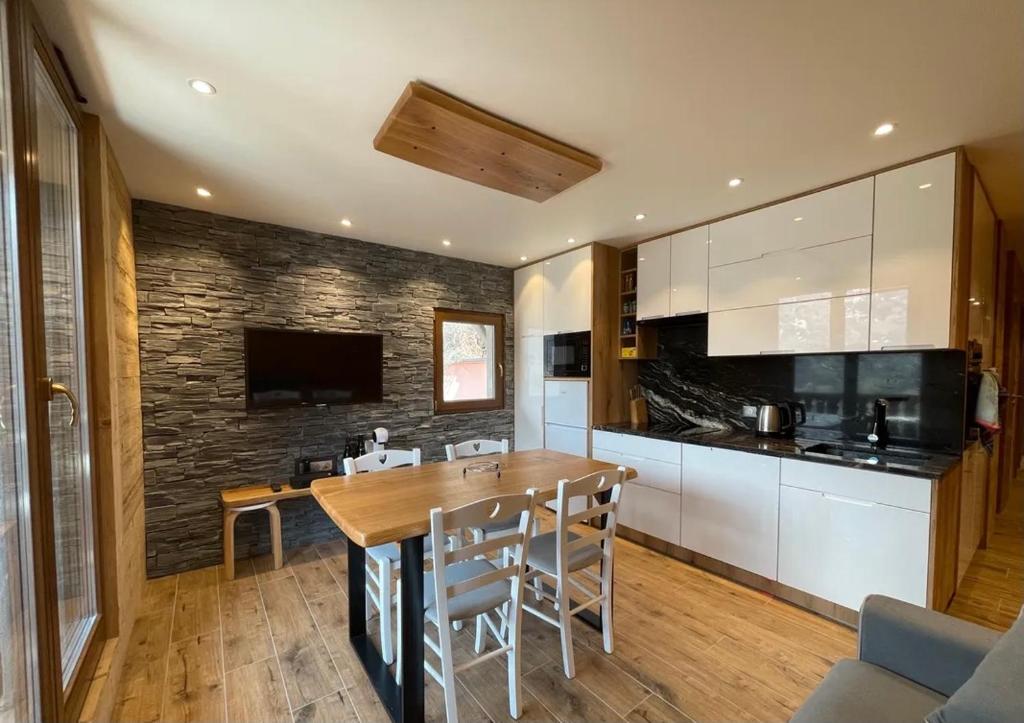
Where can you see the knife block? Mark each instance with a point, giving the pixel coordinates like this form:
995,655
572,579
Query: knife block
637,412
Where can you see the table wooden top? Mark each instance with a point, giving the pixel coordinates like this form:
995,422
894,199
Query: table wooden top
391,505
260,494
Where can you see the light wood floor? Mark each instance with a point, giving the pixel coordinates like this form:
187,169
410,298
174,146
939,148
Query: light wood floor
992,590
272,645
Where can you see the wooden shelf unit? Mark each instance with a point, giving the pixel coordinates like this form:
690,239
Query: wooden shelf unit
642,341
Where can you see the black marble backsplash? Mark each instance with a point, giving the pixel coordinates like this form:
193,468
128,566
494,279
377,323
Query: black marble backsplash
925,389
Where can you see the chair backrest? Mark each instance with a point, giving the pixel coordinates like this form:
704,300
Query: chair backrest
474,448
384,459
597,483
478,514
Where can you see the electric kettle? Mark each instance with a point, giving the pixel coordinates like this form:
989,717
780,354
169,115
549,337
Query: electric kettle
779,420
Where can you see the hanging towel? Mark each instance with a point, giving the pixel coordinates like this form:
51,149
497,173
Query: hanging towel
986,412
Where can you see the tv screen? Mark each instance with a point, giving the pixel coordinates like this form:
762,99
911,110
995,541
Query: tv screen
303,368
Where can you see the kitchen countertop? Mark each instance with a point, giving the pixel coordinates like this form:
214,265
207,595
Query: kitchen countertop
932,465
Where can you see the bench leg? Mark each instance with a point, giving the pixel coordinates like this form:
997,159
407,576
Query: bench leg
229,543
275,535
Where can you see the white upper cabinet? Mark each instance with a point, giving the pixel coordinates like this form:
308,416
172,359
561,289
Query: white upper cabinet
568,287
688,293
653,276
842,268
804,327
912,261
836,214
529,300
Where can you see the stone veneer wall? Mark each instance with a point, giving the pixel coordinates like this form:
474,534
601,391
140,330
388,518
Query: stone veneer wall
201,279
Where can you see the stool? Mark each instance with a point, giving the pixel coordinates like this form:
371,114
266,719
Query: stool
247,499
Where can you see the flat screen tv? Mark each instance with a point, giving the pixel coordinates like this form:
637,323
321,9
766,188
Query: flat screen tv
307,368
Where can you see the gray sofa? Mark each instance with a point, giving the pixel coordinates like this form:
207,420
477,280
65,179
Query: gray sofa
919,665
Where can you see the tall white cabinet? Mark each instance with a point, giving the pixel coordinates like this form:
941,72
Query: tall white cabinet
912,261
528,319
568,291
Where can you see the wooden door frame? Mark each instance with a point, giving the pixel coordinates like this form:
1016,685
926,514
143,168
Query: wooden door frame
26,36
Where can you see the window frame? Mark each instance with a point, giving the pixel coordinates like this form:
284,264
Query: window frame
497,320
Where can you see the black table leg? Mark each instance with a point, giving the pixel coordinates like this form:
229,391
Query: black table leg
391,694
411,637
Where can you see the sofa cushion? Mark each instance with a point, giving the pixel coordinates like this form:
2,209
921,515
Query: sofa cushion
995,692
854,692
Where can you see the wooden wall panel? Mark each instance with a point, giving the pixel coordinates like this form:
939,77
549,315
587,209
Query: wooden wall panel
117,404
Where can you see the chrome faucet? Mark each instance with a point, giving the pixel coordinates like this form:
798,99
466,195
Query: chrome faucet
879,434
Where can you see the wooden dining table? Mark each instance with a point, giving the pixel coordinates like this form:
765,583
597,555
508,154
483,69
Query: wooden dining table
393,506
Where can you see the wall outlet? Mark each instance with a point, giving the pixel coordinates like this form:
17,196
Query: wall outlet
749,410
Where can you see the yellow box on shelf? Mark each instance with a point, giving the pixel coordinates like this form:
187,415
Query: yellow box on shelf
628,352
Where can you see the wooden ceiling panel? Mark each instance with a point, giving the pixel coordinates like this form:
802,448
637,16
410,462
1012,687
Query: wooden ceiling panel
436,131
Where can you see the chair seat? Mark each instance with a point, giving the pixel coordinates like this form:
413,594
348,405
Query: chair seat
544,553
468,604
393,551
509,525
855,691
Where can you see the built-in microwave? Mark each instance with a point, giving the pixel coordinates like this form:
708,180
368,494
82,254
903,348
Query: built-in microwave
567,355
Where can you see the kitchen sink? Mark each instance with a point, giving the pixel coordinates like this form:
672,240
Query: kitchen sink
867,453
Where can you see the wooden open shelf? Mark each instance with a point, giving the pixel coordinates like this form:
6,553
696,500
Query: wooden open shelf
643,339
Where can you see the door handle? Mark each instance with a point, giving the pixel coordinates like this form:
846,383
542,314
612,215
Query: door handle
54,388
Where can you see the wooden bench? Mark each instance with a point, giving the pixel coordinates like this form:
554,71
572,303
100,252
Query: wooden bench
255,497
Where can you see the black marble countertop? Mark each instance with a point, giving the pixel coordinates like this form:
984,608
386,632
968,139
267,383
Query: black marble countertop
896,460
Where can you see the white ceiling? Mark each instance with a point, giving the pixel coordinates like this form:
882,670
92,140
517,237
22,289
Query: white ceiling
676,96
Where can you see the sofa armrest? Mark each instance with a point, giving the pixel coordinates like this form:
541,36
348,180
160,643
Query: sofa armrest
934,650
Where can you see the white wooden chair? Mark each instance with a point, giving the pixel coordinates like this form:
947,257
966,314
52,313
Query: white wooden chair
469,585
497,528
475,448
382,560
562,553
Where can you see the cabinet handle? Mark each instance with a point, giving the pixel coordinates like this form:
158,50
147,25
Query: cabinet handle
847,500
779,351
653,316
689,311
899,347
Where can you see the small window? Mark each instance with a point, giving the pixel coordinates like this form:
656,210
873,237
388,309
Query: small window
469,368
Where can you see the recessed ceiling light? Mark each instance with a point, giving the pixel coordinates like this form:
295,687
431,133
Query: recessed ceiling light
798,218
200,191
547,263
971,299
522,258
975,303
924,186
571,240
641,259
640,216
345,222
885,129
735,182
202,86
798,278
446,242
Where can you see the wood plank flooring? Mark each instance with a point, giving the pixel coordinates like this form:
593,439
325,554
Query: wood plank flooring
992,590
272,645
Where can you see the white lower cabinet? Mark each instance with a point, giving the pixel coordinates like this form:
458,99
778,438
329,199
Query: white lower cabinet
571,440
843,549
651,502
730,507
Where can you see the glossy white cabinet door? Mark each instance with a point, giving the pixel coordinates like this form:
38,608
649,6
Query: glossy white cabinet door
688,292
637,446
821,325
825,217
565,402
529,300
843,549
571,440
912,262
653,276
820,272
651,511
568,287
730,507
529,393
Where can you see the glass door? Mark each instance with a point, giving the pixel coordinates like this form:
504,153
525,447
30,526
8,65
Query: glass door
63,319
18,661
